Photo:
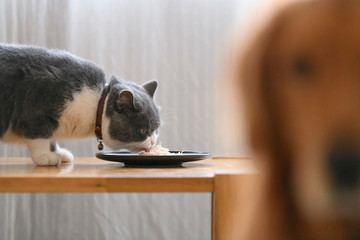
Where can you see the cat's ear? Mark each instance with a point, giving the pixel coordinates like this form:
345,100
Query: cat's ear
125,100
150,87
113,80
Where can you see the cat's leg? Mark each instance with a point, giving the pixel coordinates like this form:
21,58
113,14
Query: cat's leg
65,155
40,152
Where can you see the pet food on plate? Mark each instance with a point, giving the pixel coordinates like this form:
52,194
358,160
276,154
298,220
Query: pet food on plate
158,150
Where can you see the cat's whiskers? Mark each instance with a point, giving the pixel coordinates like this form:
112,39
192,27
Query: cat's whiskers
168,115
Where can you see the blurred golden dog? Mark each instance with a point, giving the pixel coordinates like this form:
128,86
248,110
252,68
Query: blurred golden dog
301,85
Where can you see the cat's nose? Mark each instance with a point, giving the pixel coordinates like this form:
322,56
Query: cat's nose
152,143
344,165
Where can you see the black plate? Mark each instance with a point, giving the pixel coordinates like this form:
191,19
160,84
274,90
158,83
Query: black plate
134,159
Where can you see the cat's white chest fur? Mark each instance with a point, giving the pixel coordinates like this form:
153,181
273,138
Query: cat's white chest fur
76,121
78,117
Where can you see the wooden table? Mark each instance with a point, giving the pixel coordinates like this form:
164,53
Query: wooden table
220,176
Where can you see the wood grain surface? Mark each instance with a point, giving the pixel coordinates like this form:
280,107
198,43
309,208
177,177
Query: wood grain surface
225,177
94,175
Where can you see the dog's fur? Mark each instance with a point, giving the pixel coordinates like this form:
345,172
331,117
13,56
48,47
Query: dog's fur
301,85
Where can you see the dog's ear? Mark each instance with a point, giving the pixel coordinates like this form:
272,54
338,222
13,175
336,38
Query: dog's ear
264,132
255,83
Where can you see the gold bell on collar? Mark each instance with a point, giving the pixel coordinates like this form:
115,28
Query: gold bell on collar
101,145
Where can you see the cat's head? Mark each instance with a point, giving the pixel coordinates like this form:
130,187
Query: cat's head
131,119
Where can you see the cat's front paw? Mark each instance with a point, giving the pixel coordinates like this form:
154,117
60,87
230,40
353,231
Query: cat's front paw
65,155
47,159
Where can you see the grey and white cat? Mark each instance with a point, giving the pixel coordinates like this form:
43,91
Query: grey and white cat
49,95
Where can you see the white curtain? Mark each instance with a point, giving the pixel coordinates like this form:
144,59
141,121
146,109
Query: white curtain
181,44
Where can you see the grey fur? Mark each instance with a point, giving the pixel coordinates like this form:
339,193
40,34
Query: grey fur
126,118
150,87
36,84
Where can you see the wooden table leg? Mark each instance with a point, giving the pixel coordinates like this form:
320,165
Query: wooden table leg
229,200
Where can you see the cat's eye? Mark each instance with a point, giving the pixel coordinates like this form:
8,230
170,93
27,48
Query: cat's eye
143,131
